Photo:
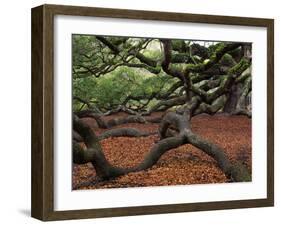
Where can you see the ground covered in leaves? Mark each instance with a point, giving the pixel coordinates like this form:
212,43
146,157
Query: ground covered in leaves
183,165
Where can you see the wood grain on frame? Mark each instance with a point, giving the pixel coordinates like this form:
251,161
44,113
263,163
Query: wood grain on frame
42,203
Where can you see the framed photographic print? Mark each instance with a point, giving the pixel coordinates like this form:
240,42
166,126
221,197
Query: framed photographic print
141,112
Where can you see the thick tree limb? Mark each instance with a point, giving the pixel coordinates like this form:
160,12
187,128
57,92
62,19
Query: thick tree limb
89,105
124,132
116,50
181,123
105,170
116,121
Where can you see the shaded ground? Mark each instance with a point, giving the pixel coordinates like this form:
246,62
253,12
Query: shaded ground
184,165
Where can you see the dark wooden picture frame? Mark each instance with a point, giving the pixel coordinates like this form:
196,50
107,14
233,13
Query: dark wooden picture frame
42,203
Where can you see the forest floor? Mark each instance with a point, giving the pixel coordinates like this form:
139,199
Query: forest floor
183,165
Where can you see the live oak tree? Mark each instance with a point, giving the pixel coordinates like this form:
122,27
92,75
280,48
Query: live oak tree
143,75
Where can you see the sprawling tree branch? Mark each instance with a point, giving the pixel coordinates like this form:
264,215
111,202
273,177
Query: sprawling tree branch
208,80
105,170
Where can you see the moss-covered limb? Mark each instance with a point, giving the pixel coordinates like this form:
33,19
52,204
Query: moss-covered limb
179,45
146,60
236,54
166,104
246,89
200,51
215,57
212,108
141,97
216,70
180,58
225,82
198,77
189,106
155,95
142,58
212,73
170,91
120,108
175,70
185,47
88,103
117,41
107,43
212,94
183,73
239,68
241,108
207,84
244,75
202,84
227,60
193,59
112,122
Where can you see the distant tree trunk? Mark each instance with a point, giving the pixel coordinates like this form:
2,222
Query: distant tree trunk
233,97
